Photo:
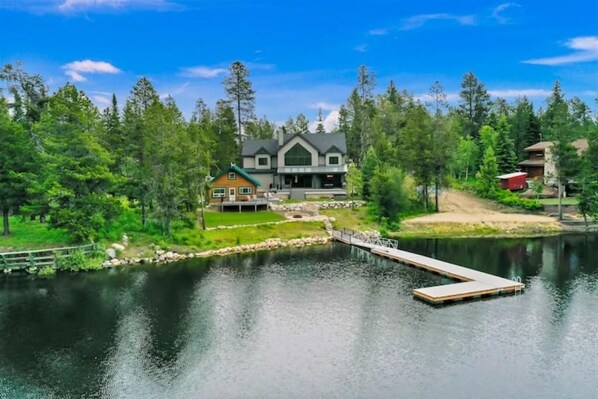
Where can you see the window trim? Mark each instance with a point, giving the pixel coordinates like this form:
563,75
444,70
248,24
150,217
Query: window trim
338,161
232,176
265,158
242,190
218,192
333,155
303,157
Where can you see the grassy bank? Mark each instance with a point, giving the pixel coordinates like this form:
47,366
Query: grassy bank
30,235
463,230
215,219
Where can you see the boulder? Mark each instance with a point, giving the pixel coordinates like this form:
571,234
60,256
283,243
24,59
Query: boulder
111,253
118,247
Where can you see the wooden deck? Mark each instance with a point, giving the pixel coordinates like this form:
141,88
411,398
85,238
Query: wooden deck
472,283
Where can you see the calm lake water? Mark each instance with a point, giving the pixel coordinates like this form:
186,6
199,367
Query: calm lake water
307,323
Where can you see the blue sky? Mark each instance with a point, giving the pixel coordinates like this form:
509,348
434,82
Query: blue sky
303,55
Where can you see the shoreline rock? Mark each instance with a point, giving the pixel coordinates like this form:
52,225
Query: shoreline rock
165,257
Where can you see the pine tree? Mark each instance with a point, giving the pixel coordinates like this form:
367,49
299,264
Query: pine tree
138,145
76,166
487,182
556,119
474,105
525,127
223,135
320,126
505,149
16,165
302,124
241,96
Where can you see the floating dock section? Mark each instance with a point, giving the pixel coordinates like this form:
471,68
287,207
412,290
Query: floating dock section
472,283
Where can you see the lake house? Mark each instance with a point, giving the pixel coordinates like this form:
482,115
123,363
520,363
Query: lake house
236,189
298,166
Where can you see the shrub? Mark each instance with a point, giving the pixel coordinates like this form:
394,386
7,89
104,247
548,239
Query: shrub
508,198
46,271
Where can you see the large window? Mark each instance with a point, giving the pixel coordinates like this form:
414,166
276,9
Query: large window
297,156
246,190
218,192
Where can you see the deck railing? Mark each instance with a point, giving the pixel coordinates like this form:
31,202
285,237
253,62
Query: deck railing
350,236
39,258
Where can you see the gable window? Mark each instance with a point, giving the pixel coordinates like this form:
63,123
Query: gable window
245,190
232,175
333,160
297,156
218,192
262,161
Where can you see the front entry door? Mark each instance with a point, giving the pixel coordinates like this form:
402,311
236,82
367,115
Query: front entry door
232,194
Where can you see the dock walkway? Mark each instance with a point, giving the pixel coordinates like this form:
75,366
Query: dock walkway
472,283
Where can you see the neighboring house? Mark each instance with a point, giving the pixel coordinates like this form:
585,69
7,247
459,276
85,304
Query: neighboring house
298,165
540,162
235,187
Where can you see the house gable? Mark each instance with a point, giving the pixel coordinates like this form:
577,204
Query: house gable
297,139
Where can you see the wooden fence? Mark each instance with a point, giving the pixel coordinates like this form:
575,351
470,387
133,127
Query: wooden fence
40,258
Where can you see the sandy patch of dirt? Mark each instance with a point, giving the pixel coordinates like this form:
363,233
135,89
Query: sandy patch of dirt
463,208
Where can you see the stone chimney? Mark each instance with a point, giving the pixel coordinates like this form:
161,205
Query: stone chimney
280,136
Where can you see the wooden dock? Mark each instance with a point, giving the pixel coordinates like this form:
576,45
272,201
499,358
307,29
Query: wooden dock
472,283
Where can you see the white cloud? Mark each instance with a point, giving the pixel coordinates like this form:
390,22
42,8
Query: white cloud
417,21
515,93
378,32
362,48
102,100
173,91
77,69
330,122
85,5
587,51
497,12
76,76
203,72
324,106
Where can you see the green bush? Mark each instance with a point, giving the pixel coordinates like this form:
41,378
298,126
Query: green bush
46,271
508,198
79,262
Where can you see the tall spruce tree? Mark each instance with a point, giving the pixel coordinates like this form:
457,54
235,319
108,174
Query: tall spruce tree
320,125
76,166
223,133
241,96
16,165
474,104
138,144
504,149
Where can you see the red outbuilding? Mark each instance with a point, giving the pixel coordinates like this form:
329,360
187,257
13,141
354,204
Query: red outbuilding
513,181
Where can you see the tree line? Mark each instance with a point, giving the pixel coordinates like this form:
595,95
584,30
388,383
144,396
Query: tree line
395,137
65,161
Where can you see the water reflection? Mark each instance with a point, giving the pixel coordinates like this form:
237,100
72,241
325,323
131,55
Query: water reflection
328,321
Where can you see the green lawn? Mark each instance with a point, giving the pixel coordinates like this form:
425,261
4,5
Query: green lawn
26,234
186,236
214,219
555,201
354,219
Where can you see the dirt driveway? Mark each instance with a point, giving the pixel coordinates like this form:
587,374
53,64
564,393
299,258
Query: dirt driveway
460,207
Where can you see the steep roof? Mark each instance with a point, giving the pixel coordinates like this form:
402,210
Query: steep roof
579,144
541,146
239,171
320,141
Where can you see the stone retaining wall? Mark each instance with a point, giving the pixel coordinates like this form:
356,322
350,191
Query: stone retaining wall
301,206
169,256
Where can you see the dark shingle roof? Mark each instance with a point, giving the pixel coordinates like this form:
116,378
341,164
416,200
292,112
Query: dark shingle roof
323,142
